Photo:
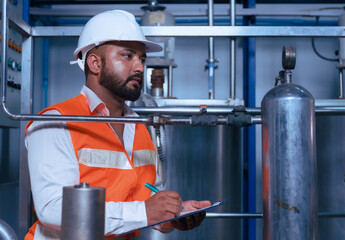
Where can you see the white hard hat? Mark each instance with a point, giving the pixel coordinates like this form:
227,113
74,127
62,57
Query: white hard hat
114,25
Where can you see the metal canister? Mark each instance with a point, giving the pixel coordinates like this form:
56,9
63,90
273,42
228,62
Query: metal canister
83,212
289,163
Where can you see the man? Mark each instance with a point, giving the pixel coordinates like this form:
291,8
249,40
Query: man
120,157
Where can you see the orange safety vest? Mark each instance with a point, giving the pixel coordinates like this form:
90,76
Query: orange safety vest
103,160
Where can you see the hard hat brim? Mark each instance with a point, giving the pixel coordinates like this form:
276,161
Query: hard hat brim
150,47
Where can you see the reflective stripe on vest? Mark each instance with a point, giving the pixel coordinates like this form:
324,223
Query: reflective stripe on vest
144,157
112,159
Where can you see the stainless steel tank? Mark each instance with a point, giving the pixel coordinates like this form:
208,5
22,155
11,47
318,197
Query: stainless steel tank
330,142
289,163
205,163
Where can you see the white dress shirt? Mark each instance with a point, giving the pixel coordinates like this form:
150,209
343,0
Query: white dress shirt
53,165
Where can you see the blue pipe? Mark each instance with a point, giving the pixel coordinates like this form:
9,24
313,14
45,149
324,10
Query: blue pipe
249,151
26,10
261,21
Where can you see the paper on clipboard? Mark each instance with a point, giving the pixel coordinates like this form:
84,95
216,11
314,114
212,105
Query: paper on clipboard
183,214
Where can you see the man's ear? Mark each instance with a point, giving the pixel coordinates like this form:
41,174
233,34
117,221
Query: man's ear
95,63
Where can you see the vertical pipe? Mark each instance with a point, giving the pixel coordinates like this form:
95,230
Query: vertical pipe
232,53
170,77
341,83
4,50
45,81
211,60
341,22
26,10
145,80
233,69
25,204
249,143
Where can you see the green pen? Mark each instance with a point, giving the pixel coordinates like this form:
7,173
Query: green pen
153,189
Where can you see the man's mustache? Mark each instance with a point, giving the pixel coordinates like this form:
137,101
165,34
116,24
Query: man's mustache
137,75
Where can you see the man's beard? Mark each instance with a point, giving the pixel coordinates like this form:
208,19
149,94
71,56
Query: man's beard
113,83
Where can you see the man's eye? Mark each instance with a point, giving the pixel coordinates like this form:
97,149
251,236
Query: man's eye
143,60
129,56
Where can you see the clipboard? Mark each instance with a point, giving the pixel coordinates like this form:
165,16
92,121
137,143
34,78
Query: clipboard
183,214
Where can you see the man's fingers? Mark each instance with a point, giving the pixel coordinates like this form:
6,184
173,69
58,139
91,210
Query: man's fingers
200,204
163,206
174,208
194,205
190,222
172,194
203,204
198,217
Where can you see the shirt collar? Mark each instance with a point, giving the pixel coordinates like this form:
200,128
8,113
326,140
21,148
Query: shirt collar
96,104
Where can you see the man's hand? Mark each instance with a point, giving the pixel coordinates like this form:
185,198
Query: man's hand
163,206
191,221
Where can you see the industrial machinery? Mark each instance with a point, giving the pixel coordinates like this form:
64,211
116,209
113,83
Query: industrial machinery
12,59
199,142
156,15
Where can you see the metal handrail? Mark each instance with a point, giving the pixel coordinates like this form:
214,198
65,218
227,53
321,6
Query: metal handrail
207,31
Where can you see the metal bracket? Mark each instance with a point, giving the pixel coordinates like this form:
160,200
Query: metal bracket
239,117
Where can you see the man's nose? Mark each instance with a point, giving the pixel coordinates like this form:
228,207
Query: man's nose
139,66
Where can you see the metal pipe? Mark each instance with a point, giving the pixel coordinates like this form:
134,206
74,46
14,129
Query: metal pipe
331,214
180,11
72,118
211,60
260,215
233,215
330,110
4,50
341,81
324,110
232,53
233,68
25,204
144,89
256,120
206,31
188,110
232,12
45,81
6,232
170,77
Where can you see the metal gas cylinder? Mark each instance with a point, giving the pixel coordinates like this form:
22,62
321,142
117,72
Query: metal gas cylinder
83,210
289,159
